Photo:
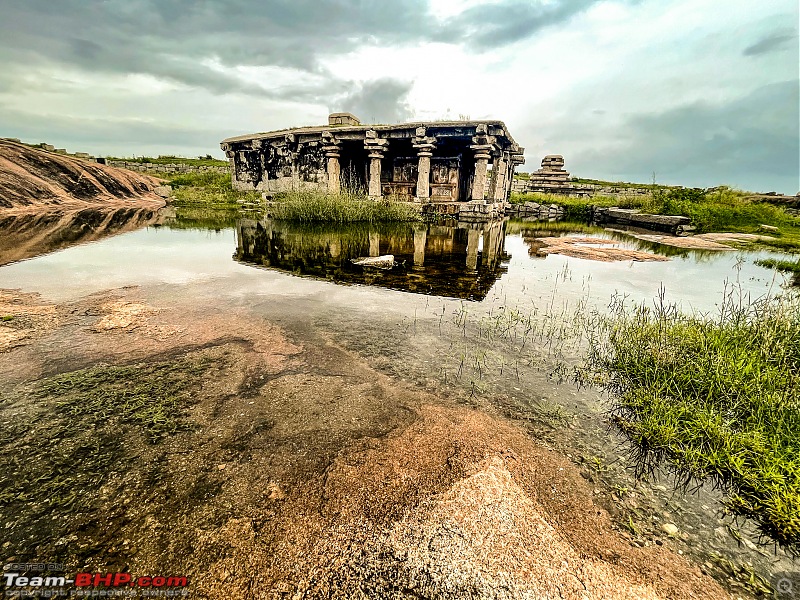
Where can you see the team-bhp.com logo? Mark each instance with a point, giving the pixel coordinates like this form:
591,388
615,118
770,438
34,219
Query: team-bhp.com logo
35,580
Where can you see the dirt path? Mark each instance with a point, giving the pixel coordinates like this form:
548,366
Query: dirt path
283,466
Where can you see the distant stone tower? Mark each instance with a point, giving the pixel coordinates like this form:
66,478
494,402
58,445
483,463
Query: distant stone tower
552,171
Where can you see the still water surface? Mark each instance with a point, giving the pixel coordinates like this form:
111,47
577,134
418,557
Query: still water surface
411,320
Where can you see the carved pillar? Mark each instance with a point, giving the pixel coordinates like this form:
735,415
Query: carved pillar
516,157
293,153
424,146
332,154
375,175
500,171
482,145
482,155
295,171
376,147
230,154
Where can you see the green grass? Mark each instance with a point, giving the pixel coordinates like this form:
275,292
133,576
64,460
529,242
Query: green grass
618,184
208,189
721,209
791,266
200,161
714,399
313,206
787,266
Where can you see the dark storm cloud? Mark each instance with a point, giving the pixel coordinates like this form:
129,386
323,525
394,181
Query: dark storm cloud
170,40
378,101
775,41
492,25
752,141
86,133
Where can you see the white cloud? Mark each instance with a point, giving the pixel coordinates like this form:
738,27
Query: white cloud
570,77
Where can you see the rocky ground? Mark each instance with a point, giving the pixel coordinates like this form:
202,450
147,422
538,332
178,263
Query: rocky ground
590,248
283,466
32,179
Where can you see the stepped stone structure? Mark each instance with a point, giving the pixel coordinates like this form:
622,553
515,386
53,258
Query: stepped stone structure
552,172
456,166
553,179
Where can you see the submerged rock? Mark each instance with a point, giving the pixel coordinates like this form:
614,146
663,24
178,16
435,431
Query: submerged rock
378,262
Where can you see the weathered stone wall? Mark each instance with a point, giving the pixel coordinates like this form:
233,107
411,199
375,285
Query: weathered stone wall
270,168
167,168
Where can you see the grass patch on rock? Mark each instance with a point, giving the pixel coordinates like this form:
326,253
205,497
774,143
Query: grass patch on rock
314,206
713,399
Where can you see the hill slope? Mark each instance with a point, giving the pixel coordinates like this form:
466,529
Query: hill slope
31,179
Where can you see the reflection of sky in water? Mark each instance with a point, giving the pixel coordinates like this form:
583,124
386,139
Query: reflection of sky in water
200,264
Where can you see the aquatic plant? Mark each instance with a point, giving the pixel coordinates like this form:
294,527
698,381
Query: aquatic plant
312,206
713,399
153,397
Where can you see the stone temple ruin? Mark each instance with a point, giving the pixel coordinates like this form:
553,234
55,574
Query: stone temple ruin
447,166
552,173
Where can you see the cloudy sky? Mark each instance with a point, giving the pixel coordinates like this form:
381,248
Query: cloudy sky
695,92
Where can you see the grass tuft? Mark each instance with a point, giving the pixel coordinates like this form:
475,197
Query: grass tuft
314,206
714,399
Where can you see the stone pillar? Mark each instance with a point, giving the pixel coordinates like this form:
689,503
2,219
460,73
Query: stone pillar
499,169
375,147
473,239
332,154
420,239
295,171
482,156
374,243
516,156
374,188
293,152
424,146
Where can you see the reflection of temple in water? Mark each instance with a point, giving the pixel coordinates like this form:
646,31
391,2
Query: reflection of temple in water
457,262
